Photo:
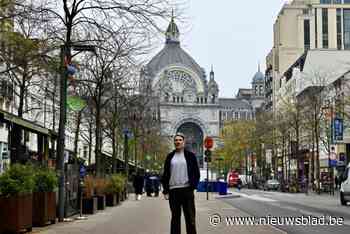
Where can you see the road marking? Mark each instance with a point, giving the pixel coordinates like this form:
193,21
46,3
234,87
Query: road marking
255,197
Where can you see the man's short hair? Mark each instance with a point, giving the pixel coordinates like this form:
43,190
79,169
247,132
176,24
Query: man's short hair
180,134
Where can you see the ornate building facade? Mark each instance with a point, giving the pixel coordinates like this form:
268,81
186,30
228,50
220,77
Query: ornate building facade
186,100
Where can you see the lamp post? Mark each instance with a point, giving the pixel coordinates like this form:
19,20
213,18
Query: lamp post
127,135
65,70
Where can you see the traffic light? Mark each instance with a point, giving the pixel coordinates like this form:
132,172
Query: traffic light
207,157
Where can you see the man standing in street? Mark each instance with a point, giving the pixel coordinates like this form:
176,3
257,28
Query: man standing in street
180,179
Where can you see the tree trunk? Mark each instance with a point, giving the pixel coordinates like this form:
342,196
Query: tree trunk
90,136
283,156
317,157
90,144
114,153
97,142
298,155
312,179
17,150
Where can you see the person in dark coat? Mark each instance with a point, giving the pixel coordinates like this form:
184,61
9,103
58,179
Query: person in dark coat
180,179
239,184
138,185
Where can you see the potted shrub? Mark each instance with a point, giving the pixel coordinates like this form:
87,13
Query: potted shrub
115,187
44,196
16,186
100,189
89,201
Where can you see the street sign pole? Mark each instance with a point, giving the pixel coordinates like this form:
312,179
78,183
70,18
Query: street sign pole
207,181
208,144
207,160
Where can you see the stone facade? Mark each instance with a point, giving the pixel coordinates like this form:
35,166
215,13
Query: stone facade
186,100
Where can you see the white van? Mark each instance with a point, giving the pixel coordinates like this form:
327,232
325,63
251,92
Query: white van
345,186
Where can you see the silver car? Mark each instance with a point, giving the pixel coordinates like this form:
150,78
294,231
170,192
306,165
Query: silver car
272,185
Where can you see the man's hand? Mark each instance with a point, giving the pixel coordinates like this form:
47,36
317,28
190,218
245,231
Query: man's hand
166,196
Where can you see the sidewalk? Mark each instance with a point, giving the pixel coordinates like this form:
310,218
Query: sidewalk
152,216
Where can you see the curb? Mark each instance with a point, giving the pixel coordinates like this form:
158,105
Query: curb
229,195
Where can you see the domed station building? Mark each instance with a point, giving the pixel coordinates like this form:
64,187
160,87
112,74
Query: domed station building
183,98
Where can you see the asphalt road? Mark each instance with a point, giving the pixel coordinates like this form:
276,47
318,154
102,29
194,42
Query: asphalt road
271,205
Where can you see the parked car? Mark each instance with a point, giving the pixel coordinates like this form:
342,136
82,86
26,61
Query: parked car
271,185
345,186
232,178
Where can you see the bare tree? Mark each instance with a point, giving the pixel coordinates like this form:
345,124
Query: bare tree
313,100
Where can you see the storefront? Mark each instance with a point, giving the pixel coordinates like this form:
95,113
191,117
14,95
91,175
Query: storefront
41,146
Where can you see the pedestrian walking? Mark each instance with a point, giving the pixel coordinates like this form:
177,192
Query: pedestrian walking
239,184
336,182
138,185
180,178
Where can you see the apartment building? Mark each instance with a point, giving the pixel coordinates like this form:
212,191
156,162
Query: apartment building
311,39
302,25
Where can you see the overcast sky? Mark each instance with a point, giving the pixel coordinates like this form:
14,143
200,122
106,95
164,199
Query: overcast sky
232,35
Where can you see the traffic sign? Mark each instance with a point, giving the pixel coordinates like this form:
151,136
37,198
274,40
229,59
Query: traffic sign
338,129
208,142
75,103
82,170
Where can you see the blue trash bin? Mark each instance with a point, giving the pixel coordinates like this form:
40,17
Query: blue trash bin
222,188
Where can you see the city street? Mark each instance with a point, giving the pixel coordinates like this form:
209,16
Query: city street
151,215
102,102
261,204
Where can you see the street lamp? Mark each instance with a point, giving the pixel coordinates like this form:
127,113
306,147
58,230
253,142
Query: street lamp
127,135
66,70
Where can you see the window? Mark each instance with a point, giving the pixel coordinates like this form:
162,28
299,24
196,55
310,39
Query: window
346,22
339,30
306,35
236,115
325,27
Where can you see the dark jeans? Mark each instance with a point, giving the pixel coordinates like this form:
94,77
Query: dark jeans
182,197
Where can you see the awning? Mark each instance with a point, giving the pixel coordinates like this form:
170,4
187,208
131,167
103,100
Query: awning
26,124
